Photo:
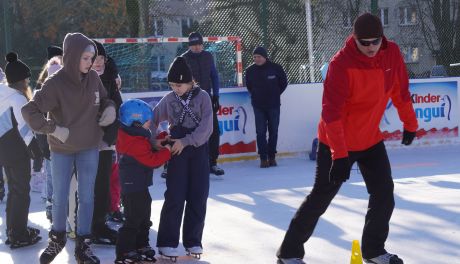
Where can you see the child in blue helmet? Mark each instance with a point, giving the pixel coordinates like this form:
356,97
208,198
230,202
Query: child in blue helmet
137,160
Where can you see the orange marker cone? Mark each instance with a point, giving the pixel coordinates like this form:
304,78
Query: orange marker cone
356,257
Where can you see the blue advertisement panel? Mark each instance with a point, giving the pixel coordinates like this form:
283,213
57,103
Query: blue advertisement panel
436,107
236,122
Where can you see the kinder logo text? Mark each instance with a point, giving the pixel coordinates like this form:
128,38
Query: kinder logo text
232,119
430,106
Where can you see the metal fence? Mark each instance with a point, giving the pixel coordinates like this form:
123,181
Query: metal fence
301,35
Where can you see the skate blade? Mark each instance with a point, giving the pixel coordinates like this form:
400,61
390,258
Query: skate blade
194,255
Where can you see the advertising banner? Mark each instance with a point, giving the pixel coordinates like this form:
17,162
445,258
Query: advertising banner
235,119
436,106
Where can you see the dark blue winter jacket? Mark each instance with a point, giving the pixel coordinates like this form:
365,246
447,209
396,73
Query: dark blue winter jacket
137,158
266,83
203,70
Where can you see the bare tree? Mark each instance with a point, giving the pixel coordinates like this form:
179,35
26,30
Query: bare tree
440,24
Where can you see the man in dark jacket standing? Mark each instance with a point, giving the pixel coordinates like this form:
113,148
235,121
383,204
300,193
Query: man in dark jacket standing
266,81
205,74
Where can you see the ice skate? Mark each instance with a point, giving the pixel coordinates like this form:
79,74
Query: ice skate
103,235
129,258
386,258
83,253
56,243
147,254
32,238
195,251
169,252
290,261
217,171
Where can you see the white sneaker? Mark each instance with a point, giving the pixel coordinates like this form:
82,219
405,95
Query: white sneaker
386,258
168,251
290,261
195,250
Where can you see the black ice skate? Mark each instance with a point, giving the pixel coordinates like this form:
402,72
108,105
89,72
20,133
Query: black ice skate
169,253
290,261
147,254
386,258
217,171
32,232
83,253
31,239
103,235
129,258
56,243
194,251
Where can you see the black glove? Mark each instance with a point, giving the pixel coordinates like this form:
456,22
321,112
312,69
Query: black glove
408,137
215,103
167,142
340,171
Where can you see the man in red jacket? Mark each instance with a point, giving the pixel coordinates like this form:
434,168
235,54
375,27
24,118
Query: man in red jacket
367,72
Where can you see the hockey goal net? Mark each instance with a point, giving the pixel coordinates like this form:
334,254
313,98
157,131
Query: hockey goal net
143,62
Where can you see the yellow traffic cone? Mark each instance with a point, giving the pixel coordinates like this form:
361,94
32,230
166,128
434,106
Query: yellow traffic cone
356,257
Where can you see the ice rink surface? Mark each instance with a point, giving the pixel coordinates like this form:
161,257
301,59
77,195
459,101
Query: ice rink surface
250,209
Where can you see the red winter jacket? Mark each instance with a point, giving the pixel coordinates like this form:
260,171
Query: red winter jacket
356,92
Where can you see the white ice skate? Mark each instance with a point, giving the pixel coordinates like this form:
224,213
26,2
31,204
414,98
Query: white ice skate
290,261
169,252
195,251
386,258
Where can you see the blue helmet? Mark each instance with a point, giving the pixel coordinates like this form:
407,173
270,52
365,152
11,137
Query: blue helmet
135,110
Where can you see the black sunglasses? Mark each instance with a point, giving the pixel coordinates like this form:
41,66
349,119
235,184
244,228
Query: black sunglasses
367,43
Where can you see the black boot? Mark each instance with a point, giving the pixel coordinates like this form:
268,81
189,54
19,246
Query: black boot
129,258
56,243
83,253
32,237
147,254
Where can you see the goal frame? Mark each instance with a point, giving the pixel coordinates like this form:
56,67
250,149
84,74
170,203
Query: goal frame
234,39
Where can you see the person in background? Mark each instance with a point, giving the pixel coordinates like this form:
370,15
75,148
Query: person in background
78,108
204,72
52,65
361,78
2,181
102,233
137,160
15,140
266,81
189,112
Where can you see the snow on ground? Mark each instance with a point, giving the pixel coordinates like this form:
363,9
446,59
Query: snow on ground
250,209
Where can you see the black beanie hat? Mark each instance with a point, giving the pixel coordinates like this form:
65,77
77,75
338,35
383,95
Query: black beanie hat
15,70
260,51
195,38
100,48
53,51
179,71
367,26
